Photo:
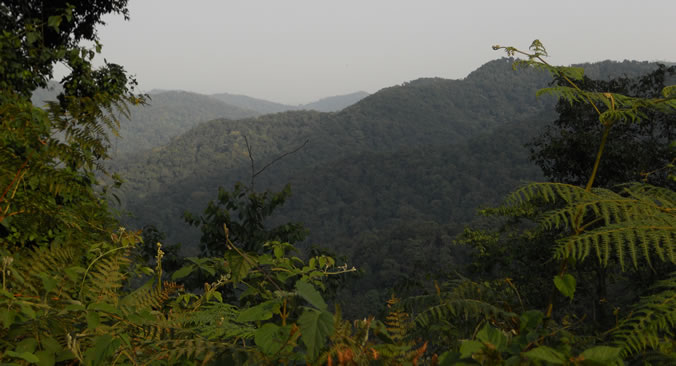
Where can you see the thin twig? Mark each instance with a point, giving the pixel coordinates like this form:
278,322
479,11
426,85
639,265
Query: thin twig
281,157
248,147
255,173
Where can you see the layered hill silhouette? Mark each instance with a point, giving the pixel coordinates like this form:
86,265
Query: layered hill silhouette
388,182
170,113
328,104
422,114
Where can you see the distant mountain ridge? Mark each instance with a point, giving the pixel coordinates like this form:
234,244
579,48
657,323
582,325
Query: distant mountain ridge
328,104
172,112
169,114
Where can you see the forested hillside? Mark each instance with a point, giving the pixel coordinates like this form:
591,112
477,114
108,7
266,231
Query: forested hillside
166,115
417,116
395,269
425,113
397,175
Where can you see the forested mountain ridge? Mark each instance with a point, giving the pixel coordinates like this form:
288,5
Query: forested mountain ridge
335,103
422,114
167,114
262,106
426,112
396,175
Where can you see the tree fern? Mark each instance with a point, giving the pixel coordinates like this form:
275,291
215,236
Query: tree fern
467,301
638,223
651,323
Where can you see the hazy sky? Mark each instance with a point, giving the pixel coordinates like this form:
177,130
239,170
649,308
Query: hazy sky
296,51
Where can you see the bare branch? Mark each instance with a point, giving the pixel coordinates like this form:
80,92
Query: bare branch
281,157
248,147
255,173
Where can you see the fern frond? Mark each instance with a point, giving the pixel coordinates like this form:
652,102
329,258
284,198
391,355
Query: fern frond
177,350
652,322
661,196
149,296
466,301
45,261
217,321
641,239
396,321
106,277
547,192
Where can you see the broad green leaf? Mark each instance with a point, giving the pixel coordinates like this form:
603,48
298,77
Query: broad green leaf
530,319
54,21
262,311
183,272
31,37
50,344
544,353
468,348
74,307
308,292
48,281
28,311
279,251
27,345
7,317
565,284
315,327
102,306
450,358
493,336
45,358
602,354
217,295
27,356
93,319
239,267
270,338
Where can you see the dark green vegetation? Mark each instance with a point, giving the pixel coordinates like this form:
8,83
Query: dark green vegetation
561,274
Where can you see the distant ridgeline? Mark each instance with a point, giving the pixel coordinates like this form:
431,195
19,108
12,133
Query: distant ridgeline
387,182
172,112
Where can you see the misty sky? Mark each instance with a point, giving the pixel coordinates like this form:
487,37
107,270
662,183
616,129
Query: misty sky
296,51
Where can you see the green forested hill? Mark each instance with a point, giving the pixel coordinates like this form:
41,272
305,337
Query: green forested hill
168,115
394,215
262,106
387,180
427,112
424,113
